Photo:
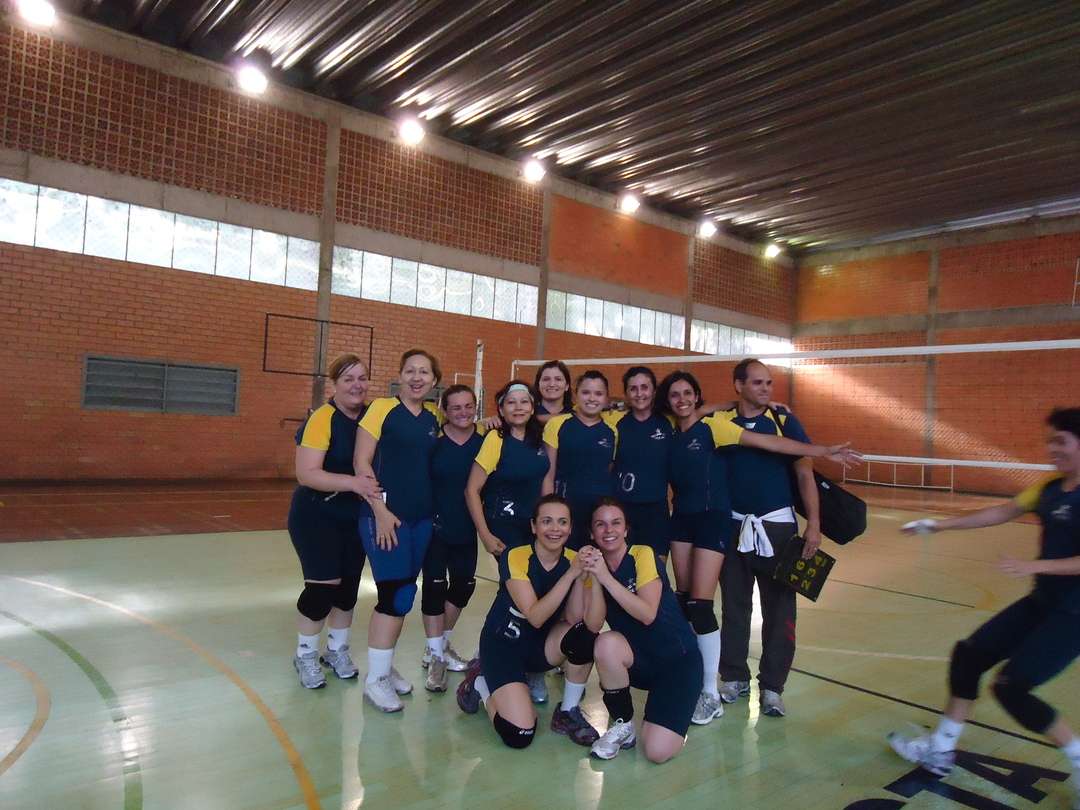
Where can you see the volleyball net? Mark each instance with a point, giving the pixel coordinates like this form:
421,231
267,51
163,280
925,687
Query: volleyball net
966,417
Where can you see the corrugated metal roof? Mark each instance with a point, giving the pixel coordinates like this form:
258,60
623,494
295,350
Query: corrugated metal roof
818,123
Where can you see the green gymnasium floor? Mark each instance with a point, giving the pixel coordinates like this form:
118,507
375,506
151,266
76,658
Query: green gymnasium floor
155,672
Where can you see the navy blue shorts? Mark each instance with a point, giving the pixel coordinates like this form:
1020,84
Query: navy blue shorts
673,684
708,530
324,534
510,650
403,561
650,525
513,532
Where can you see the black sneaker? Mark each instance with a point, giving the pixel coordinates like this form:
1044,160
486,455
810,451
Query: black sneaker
574,725
468,699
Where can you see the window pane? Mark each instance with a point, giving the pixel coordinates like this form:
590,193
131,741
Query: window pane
612,320
302,264
711,330
106,228
594,317
505,300
195,244
233,251
723,339
483,302
458,292
697,336
268,252
556,310
18,210
663,328
348,271
678,332
648,326
431,287
631,325
403,282
60,218
526,304
575,313
738,341
376,286
150,236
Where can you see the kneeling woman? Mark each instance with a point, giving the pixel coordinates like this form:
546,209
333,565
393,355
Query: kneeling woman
528,630
650,645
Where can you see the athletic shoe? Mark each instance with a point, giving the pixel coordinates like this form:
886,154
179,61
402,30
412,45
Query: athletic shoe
425,659
468,699
454,660
919,751
772,705
574,725
537,687
382,696
311,674
708,709
340,662
436,675
401,686
730,691
619,736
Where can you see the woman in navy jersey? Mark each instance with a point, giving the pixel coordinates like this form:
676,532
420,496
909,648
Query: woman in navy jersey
552,383
701,513
323,524
581,447
450,563
395,443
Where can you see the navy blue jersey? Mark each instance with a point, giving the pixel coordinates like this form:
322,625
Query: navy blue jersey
698,471
522,564
402,461
516,473
585,453
760,481
670,634
642,457
451,464
1059,513
331,431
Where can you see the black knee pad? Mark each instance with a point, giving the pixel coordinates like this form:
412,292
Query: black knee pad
966,667
396,596
701,616
345,593
460,591
1029,711
433,597
316,600
514,736
577,645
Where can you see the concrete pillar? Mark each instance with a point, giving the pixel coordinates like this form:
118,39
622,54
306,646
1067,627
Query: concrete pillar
545,274
930,417
688,305
327,227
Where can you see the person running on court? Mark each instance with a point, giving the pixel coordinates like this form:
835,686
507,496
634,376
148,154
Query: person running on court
581,447
395,443
701,513
450,563
649,646
509,469
762,501
534,624
322,523
1038,636
552,383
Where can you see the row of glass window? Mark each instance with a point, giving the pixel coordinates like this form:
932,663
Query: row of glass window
77,223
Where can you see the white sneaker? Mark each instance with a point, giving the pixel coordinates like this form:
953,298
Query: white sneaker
620,735
708,709
538,690
730,691
436,675
454,660
772,705
311,674
382,696
340,662
401,686
919,751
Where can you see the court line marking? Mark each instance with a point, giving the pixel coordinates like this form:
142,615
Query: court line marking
129,744
869,654
303,777
41,713
904,593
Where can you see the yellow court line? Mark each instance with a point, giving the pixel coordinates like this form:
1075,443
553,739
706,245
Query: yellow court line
870,654
303,777
41,714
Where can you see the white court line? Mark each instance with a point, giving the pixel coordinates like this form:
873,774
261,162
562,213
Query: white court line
870,654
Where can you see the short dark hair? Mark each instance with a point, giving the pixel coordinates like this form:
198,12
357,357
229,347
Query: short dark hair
633,371
534,428
665,389
456,388
432,359
591,374
567,401
551,498
1065,419
607,500
739,373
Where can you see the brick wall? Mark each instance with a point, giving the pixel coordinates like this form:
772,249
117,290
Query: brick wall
860,289
729,279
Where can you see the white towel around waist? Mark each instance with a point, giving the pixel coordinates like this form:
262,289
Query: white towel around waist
752,535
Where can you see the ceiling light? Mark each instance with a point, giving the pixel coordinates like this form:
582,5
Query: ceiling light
251,79
772,250
37,12
411,131
628,203
533,171
706,229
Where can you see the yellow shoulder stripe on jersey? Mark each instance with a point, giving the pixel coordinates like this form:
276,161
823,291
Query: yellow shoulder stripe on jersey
317,430
612,418
490,450
440,417
552,428
518,562
570,554
376,414
644,565
1029,498
724,432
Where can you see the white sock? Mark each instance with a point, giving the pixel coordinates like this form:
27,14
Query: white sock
337,637
435,644
379,663
1071,749
305,645
572,694
446,638
709,644
480,684
946,734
